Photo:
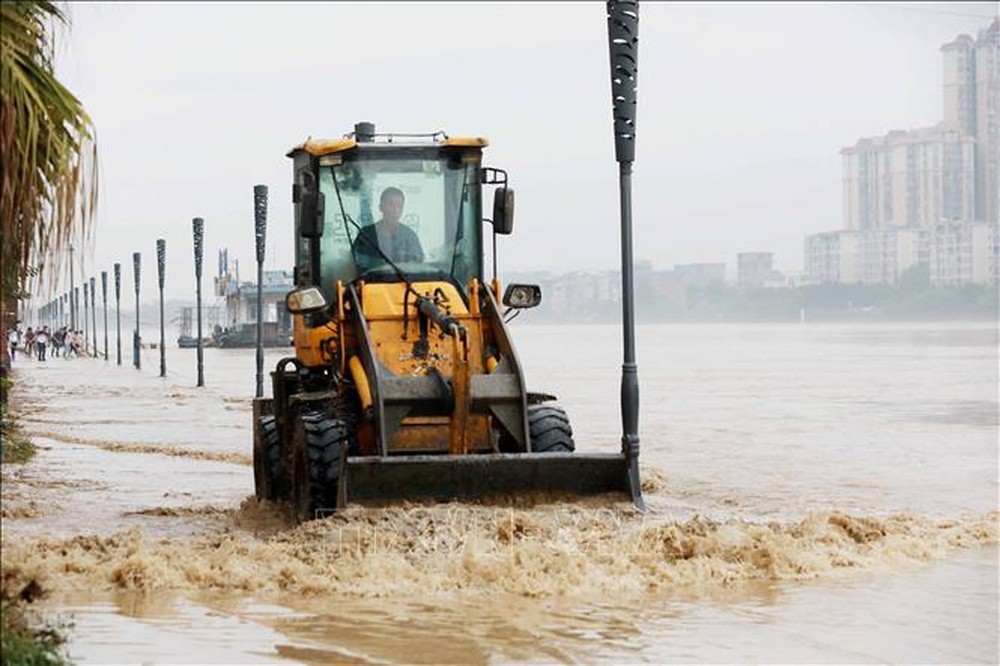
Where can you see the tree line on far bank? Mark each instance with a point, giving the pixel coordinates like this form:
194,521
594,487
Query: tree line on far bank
911,298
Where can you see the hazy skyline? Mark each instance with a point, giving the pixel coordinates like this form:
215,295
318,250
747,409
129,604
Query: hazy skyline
742,109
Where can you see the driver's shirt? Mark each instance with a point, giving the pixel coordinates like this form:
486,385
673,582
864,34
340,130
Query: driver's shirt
402,245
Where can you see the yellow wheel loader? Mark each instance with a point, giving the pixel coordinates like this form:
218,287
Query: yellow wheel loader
405,383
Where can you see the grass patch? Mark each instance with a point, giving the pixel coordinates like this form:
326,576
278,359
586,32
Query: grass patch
17,448
23,645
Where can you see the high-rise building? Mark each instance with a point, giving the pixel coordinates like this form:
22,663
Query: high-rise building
909,179
929,195
972,103
988,124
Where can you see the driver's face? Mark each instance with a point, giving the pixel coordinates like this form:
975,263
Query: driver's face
392,208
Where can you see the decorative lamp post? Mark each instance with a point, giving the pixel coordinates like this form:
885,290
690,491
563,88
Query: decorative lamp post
161,256
93,314
260,229
136,337
198,229
118,309
86,329
623,45
104,298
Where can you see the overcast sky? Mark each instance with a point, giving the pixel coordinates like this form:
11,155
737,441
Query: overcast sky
742,109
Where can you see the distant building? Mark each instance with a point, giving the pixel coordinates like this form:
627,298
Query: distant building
909,179
972,104
964,253
885,254
870,256
929,195
755,269
956,252
832,257
701,274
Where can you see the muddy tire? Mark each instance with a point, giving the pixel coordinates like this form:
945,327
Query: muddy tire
319,441
549,429
270,478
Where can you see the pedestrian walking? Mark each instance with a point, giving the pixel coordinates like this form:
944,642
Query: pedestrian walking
69,346
13,340
41,341
29,342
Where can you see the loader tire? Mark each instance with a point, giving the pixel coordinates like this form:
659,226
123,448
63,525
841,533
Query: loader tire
549,429
270,478
318,446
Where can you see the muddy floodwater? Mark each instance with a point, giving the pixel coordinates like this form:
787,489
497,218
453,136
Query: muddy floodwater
817,493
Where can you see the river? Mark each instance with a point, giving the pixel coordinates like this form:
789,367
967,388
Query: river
817,493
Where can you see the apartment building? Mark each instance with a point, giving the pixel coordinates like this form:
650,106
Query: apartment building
909,179
832,256
870,256
964,253
928,195
971,102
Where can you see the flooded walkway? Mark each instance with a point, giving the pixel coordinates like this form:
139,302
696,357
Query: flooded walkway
137,521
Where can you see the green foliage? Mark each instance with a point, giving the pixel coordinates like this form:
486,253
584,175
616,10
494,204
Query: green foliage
23,645
15,447
916,278
49,176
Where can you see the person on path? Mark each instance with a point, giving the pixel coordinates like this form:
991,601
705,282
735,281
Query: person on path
29,342
41,341
69,344
13,340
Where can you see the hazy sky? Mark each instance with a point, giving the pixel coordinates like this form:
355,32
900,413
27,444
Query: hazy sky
742,109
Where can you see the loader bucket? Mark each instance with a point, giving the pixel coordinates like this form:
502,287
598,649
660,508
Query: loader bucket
475,476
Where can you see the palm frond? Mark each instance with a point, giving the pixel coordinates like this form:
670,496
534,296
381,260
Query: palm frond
48,187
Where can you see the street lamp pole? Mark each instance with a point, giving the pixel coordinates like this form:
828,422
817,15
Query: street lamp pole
104,298
136,338
161,257
198,229
118,309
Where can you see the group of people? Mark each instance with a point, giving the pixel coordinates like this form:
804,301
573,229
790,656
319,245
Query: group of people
35,343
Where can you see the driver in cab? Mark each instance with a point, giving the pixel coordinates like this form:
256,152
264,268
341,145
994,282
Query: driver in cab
397,241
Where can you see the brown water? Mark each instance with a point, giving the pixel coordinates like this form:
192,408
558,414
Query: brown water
817,493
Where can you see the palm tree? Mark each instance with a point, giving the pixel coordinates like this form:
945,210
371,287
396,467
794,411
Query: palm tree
48,184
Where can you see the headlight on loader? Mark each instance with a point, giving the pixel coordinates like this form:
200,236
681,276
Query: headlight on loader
304,301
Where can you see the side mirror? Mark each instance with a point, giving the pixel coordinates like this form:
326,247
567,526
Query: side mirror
304,301
522,296
311,207
503,210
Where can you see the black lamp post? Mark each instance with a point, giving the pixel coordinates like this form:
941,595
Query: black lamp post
86,331
161,256
623,45
118,309
93,314
104,298
137,336
260,229
198,229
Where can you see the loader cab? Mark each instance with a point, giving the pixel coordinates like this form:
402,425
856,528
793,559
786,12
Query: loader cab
337,191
